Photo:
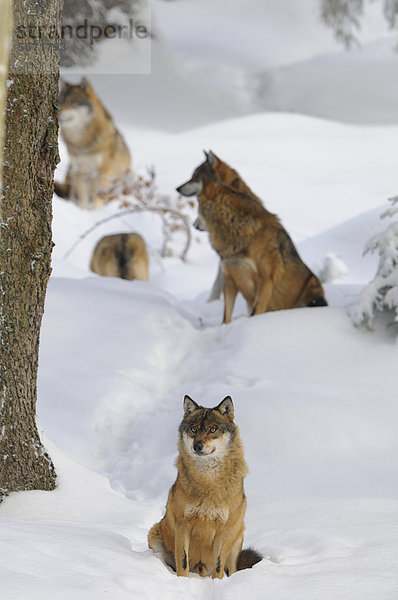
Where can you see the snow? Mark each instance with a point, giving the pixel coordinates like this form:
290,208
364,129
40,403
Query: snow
315,397
278,56
349,88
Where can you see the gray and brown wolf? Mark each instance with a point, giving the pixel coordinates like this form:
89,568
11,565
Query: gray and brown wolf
121,255
202,530
262,263
99,157
217,171
258,257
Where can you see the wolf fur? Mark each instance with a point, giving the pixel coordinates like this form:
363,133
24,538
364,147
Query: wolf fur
258,258
202,530
99,157
121,255
217,171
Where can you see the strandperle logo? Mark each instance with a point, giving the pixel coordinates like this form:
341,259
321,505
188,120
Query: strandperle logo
122,46
82,31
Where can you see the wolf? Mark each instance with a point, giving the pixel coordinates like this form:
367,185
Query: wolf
217,171
202,530
121,255
99,157
258,258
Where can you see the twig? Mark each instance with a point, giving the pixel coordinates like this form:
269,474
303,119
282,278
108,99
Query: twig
159,209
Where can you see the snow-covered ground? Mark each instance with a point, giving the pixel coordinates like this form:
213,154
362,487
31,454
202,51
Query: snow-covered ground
315,398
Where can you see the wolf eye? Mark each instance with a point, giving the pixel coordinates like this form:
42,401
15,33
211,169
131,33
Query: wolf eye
213,429
194,429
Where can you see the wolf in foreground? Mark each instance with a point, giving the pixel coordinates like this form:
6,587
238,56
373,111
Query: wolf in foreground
121,255
202,530
99,158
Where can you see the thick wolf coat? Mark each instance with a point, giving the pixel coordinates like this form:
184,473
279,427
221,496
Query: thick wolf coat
258,257
217,171
202,530
99,158
121,255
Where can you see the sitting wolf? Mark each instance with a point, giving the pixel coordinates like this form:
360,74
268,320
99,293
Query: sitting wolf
258,258
99,158
220,172
202,530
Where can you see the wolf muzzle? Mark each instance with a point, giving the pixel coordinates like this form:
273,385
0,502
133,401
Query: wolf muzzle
190,188
198,447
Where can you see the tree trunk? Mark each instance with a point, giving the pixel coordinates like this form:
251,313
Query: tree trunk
30,157
5,36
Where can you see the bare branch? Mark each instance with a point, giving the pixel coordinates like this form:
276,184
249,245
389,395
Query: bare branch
159,209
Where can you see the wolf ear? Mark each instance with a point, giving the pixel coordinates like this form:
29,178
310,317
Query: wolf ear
189,405
226,407
85,84
212,158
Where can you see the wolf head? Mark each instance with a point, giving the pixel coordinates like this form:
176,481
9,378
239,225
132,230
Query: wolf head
207,432
76,104
193,186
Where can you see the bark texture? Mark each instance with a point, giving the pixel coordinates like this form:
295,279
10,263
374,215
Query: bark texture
5,36
30,157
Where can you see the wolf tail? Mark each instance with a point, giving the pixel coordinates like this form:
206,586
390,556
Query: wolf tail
248,558
62,189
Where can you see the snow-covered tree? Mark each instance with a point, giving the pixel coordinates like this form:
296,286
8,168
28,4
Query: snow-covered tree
381,294
344,16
